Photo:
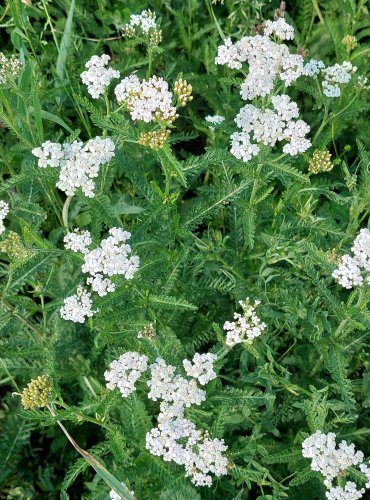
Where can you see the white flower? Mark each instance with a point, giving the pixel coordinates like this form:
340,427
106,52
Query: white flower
165,385
130,84
4,210
201,367
125,372
110,259
78,241
78,164
50,154
326,458
98,77
280,28
285,107
268,127
295,133
241,146
313,67
214,120
152,101
228,54
366,471
247,326
361,249
77,307
349,492
348,274
330,90
10,67
141,23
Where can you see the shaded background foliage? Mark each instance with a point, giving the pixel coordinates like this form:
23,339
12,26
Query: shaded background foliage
218,231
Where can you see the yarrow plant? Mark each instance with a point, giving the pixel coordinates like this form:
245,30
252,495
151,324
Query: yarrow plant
146,186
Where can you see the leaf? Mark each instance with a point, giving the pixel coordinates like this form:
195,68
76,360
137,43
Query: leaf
171,302
65,44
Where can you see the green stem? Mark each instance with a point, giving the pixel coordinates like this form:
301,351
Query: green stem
323,124
65,212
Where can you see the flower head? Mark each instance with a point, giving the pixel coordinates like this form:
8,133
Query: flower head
97,77
38,393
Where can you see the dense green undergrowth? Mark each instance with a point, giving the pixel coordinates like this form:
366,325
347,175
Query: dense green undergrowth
209,229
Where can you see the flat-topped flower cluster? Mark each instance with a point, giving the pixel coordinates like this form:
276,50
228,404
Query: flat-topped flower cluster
351,269
175,438
332,462
111,258
268,62
79,164
246,327
333,76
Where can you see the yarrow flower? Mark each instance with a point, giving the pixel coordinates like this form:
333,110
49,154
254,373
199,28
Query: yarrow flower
247,326
176,438
77,307
79,164
320,162
4,210
267,62
149,100
155,139
279,28
10,68
143,24
348,273
183,90
332,462
333,76
201,367
110,259
214,120
98,77
125,372
14,247
268,127
38,393
78,241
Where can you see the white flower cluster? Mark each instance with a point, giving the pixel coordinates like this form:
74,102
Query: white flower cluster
111,258
98,77
268,61
269,127
348,273
176,438
77,307
336,75
246,327
10,67
125,372
214,121
279,28
141,23
201,367
79,164
4,210
149,100
332,461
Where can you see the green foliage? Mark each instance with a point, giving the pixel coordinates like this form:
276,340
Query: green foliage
209,229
